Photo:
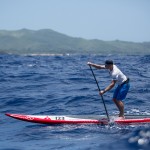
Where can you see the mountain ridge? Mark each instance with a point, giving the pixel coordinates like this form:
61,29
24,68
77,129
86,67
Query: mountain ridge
25,41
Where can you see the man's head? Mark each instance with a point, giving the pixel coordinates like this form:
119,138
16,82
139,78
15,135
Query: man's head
109,64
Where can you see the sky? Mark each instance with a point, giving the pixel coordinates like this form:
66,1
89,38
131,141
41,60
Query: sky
108,20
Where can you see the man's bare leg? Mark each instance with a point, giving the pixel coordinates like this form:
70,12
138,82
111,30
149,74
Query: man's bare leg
120,106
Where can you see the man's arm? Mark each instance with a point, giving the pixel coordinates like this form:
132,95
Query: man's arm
109,87
96,65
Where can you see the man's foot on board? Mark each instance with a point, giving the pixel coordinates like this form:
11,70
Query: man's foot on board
120,118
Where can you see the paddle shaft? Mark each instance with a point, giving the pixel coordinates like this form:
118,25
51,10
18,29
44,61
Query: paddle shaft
99,91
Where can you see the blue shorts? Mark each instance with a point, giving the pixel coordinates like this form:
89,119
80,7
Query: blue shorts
121,91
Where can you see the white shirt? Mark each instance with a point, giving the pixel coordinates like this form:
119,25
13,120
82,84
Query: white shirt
117,75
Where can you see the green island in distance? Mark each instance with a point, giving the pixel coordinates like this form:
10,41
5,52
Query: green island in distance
47,41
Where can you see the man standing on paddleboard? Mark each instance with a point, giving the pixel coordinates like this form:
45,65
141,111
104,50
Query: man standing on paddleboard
119,78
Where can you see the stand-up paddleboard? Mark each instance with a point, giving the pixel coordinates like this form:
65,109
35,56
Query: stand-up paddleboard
43,119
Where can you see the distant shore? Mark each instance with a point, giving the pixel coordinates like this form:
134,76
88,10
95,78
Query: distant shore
49,42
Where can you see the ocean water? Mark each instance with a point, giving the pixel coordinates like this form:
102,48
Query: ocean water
64,85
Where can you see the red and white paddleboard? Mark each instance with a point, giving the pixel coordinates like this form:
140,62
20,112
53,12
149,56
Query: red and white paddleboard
43,119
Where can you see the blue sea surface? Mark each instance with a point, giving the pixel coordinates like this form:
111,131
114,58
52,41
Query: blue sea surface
64,85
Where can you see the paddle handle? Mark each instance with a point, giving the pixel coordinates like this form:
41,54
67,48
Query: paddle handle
99,91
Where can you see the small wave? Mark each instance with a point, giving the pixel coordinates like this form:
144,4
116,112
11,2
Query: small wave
140,138
44,54
137,111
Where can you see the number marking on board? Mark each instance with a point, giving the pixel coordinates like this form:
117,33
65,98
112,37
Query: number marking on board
60,118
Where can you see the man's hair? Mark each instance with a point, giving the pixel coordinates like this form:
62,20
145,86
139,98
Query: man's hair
109,62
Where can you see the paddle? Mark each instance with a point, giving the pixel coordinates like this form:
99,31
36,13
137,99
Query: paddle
99,91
